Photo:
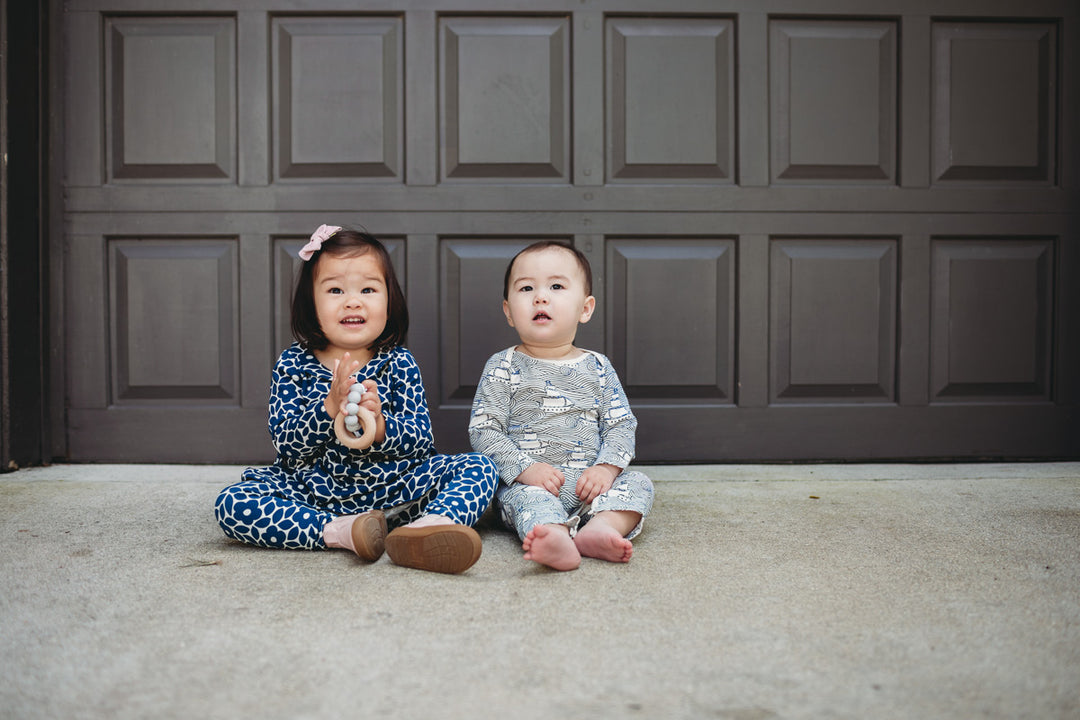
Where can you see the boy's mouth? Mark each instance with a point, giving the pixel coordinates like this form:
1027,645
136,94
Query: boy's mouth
541,316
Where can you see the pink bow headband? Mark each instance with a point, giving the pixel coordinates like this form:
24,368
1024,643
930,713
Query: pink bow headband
317,239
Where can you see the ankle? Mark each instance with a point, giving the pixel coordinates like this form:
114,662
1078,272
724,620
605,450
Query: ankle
432,519
338,533
619,522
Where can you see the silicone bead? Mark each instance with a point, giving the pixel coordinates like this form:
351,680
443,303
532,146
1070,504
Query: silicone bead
352,409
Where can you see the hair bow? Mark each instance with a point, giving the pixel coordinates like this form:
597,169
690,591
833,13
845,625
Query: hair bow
317,239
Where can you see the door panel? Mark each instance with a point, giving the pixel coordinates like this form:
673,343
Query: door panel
338,124
814,235
990,321
505,91
651,318
664,123
175,321
833,93
187,132
833,320
995,85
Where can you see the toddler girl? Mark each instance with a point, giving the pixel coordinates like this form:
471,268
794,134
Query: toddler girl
329,488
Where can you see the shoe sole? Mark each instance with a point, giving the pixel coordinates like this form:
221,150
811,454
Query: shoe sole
369,535
437,548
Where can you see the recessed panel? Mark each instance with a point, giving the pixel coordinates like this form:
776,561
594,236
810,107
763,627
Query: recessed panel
174,309
995,101
171,100
665,122
287,265
832,320
504,85
338,97
670,309
991,307
471,317
833,101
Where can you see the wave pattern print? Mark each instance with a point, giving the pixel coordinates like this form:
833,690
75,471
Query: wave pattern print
571,415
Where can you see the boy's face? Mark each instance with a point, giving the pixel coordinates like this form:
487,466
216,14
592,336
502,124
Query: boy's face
546,299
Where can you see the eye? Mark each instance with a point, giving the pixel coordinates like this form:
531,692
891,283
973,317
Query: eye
334,291
525,288
557,286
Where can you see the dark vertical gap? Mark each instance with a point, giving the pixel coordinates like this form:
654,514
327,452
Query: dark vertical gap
24,339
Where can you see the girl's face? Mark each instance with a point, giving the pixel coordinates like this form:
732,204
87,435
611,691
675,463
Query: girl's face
351,302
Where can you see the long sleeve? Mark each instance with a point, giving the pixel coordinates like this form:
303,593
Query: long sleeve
488,424
299,424
303,432
404,407
618,426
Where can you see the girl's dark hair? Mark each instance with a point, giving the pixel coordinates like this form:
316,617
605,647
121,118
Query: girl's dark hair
348,243
582,261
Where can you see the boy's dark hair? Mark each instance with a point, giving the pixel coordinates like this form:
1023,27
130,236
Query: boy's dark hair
348,243
582,261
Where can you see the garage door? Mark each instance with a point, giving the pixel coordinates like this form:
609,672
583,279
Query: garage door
816,234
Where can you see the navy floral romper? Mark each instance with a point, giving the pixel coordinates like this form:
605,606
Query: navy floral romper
316,478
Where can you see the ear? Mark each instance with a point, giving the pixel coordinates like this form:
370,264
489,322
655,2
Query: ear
587,309
506,312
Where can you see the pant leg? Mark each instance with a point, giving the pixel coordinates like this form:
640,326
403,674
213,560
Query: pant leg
632,491
465,486
522,507
270,514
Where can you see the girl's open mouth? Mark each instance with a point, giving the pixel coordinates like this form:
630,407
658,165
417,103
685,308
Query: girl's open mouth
541,316
353,321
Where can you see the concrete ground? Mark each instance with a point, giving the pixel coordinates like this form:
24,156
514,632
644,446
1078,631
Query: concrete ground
755,592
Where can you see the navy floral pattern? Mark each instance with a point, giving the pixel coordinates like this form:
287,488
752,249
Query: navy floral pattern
315,478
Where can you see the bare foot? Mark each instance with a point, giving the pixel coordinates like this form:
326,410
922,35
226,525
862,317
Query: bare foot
551,545
600,540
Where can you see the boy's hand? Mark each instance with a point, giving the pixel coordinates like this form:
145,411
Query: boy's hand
595,481
542,475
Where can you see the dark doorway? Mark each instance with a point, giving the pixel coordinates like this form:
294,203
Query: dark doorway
23,389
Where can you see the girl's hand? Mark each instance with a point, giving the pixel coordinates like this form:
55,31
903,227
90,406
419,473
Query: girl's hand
340,385
595,481
370,400
542,475
346,438
373,404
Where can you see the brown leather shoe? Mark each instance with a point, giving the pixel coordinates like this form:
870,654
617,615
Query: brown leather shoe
369,535
437,548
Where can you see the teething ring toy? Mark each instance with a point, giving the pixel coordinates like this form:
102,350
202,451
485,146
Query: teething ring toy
355,428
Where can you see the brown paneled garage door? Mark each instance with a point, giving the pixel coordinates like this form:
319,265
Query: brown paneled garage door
820,230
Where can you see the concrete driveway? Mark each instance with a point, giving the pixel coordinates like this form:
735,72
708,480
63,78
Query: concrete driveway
755,592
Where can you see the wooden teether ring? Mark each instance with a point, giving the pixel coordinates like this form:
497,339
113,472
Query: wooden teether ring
367,423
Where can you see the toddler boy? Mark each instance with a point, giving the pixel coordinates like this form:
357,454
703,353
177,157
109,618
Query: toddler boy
555,420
